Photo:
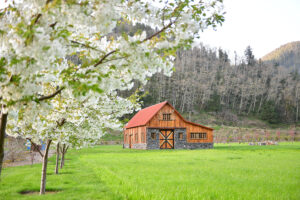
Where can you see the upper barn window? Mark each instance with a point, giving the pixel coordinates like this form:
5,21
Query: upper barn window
167,116
198,135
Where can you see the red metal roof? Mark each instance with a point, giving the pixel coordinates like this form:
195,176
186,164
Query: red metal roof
146,114
143,116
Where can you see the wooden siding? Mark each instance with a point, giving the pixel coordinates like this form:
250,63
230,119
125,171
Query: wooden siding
197,129
139,132
157,120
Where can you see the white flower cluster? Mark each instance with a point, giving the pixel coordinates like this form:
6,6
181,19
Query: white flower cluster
37,37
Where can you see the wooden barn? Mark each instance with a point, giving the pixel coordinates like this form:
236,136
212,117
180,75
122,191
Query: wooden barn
162,127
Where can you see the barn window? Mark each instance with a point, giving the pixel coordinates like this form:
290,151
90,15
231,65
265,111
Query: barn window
198,135
167,116
180,135
153,136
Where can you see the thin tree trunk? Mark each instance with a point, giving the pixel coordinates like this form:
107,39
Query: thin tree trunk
44,169
66,150
297,112
260,104
253,109
250,108
297,106
3,122
57,158
241,102
62,156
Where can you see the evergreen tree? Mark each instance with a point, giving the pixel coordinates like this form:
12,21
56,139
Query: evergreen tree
250,60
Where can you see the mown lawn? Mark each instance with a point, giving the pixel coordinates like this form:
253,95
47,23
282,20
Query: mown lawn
110,172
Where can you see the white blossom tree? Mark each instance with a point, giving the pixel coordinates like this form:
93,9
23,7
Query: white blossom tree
67,121
37,37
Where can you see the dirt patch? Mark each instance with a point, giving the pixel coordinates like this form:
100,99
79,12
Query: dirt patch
34,192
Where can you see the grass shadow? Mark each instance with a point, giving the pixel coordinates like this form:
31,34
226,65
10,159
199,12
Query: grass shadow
37,192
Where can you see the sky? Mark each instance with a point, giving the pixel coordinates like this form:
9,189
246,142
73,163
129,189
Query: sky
263,24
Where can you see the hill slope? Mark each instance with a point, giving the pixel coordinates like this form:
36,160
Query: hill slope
287,55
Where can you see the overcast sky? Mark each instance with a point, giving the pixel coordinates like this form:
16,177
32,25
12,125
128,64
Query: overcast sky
263,24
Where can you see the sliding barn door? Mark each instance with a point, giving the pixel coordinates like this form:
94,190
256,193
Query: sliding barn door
166,139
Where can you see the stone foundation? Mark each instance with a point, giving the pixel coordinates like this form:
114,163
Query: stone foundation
136,146
139,146
200,145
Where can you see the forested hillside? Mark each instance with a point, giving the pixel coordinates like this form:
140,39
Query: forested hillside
287,55
205,80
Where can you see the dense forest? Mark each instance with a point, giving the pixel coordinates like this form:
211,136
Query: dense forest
206,80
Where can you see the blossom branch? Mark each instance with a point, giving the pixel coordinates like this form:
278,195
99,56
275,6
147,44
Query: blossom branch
85,45
165,27
51,95
104,57
160,31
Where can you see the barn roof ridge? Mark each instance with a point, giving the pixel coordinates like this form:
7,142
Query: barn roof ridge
142,117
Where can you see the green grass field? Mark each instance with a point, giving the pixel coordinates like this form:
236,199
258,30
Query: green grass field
110,172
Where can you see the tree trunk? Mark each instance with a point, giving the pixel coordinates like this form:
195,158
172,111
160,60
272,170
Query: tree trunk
241,102
44,169
62,156
297,112
260,104
297,106
3,122
57,158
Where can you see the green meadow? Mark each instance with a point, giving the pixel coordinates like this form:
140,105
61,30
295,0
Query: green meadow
229,171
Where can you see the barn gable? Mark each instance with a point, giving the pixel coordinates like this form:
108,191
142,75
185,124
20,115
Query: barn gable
175,119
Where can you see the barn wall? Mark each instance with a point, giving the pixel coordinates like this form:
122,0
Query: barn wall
180,143
152,143
197,129
138,137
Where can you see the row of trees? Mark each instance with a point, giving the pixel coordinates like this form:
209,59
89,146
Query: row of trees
205,79
61,68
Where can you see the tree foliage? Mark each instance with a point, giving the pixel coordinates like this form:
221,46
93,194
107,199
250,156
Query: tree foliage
53,98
